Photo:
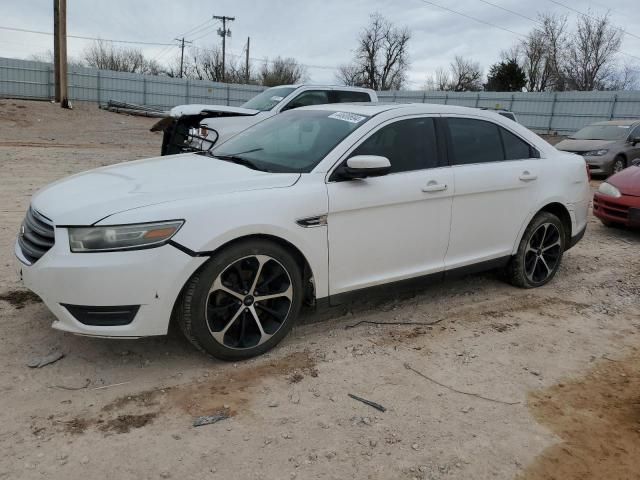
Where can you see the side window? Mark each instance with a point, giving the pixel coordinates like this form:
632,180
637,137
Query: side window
310,97
474,141
515,148
408,144
343,96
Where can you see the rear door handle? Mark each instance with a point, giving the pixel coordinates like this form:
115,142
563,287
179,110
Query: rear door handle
434,186
527,177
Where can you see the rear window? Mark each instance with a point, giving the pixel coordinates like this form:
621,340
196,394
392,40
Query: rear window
345,96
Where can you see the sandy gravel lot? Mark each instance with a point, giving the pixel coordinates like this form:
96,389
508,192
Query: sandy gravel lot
505,383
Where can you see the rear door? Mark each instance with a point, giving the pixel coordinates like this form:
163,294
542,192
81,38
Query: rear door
496,181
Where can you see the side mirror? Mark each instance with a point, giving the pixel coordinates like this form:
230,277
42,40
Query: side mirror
363,166
636,162
633,140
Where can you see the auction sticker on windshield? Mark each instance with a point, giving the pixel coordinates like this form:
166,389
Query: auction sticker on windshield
347,117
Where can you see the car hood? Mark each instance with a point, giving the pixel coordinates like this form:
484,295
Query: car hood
627,181
88,197
571,145
217,110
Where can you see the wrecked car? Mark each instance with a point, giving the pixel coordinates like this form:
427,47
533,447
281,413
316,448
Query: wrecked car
194,128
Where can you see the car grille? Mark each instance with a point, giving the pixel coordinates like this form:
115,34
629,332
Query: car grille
36,236
610,208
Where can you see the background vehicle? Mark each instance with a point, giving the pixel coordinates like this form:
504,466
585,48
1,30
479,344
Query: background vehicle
192,128
505,113
316,204
607,147
617,201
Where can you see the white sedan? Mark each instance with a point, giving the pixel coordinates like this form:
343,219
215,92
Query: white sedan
312,205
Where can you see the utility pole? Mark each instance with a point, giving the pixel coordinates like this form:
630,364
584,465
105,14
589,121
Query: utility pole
224,32
246,62
182,42
60,52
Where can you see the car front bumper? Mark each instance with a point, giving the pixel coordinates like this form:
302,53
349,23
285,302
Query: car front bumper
624,210
150,280
600,165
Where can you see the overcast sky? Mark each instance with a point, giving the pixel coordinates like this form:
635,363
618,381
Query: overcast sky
319,33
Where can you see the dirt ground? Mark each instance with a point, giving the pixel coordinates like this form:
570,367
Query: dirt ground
506,383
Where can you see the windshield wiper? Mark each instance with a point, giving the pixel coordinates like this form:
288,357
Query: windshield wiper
240,161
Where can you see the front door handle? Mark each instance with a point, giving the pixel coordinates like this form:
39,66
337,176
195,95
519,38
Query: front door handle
434,186
527,177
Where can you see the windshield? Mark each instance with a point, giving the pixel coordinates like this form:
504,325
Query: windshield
268,99
602,132
294,141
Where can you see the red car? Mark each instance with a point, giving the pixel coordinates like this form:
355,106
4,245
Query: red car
617,200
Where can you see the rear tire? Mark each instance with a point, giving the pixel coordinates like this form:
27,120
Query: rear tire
539,254
243,301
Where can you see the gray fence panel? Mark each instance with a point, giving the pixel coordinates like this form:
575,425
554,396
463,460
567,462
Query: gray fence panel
562,112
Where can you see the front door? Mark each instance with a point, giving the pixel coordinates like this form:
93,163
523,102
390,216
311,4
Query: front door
393,227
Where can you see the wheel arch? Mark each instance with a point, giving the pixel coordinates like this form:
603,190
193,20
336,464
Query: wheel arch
558,209
301,260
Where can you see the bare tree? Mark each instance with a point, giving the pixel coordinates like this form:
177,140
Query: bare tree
381,58
350,75
106,56
542,54
281,71
466,75
591,57
47,57
625,78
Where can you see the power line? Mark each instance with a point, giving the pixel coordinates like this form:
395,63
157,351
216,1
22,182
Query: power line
472,18
206,32
198,28
84,38
510,11
266,60
593,18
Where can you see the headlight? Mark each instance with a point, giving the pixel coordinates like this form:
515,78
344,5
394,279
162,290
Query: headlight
608,189
595,153
122,237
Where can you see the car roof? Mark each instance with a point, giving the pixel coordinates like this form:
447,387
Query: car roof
625,122
374,108
325,85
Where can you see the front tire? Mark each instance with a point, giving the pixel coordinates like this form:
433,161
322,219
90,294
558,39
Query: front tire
619,164
243,302
540,252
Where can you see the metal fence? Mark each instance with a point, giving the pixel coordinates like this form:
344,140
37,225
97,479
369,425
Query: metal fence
27,79
562,112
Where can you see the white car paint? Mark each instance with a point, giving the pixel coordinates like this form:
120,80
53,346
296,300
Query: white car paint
378,230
